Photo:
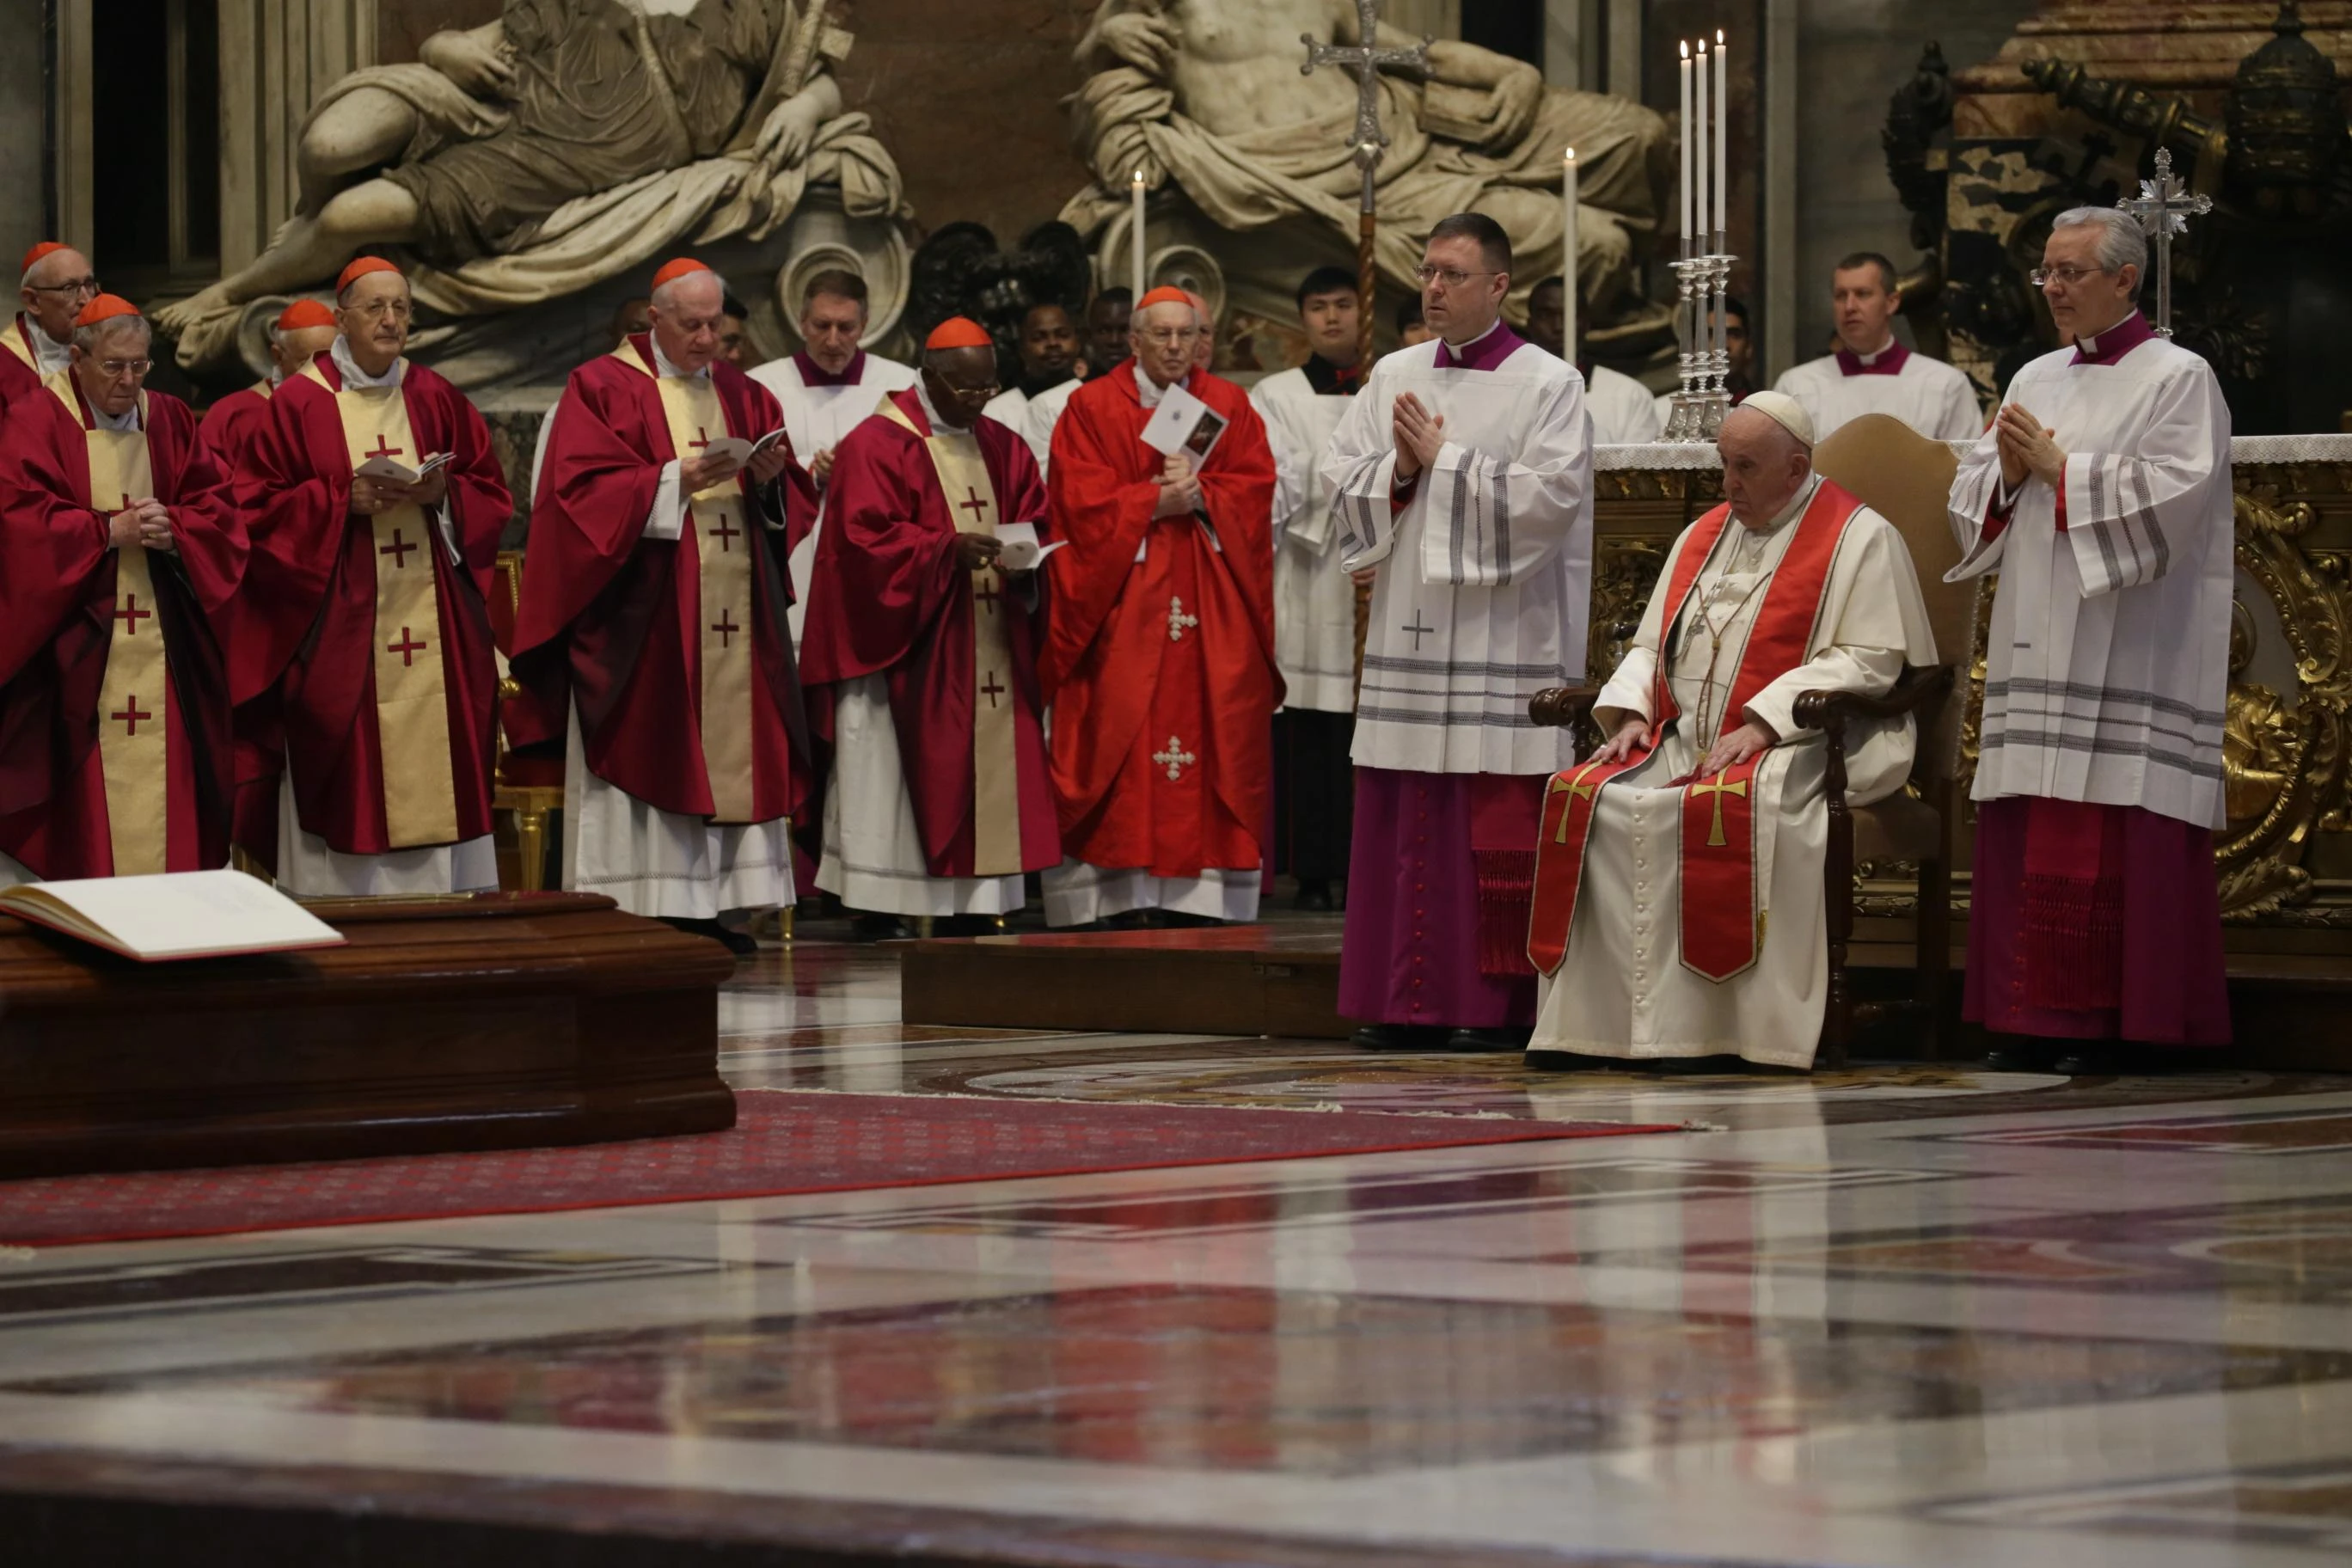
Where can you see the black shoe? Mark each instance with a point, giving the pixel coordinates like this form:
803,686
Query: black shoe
740,943
2020,1053
1570,1061
2091,1060
877,928
1488,1039
1398,1037
1314,893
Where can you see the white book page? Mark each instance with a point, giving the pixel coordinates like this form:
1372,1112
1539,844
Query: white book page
191,912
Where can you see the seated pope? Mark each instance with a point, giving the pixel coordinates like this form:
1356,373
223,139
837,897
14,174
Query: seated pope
465,154
1679,907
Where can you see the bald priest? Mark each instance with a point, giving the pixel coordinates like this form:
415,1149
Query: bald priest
302,332
921,651
363,632
1704,812
652,634
119,554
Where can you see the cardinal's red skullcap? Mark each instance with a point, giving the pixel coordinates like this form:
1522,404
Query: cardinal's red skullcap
361,267
304,313
105,308
1164,295
959,333
33,257
684,267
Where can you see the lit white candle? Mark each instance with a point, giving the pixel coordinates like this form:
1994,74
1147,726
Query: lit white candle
1722,136
1567,253
1705,163
1689,131
1139,235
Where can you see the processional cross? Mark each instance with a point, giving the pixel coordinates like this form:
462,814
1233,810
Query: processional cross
1364,58
2164,208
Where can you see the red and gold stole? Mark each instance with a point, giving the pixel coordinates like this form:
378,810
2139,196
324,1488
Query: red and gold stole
718,517
18,341
995,758
412,704
132,735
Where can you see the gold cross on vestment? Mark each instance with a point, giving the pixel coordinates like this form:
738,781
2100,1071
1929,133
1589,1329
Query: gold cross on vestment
1576,789
1714,838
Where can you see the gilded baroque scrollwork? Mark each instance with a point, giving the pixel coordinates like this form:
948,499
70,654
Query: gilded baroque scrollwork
1624,570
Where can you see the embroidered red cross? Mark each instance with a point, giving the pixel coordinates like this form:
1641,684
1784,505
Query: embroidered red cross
705,441
991,689
975,505
384,449
986,593
407,648
129,718
725,627
131,612
725,532
397,551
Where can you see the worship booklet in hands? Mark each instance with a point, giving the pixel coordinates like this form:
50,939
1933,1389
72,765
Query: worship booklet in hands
740,450
1183,423
399,473
1021,551
182,914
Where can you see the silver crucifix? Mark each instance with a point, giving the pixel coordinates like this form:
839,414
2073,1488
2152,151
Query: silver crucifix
1365,57
2164,208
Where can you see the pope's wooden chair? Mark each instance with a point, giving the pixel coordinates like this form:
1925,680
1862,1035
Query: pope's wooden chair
528,788
1907,480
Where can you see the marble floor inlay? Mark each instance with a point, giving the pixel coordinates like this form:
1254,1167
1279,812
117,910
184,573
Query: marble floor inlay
1909,1314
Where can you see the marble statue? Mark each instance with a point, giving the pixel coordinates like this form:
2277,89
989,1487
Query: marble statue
567,141
1206,96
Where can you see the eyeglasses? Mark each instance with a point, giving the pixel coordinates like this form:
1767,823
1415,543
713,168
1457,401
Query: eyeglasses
1452,277
1168,337
78,286
116,369
980,393
376,310
2064,277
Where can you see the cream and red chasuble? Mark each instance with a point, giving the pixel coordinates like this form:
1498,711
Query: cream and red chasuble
16,343
131,732
718,517
412,706
995,763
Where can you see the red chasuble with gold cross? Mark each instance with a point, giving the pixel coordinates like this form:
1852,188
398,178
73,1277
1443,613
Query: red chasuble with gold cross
889,594
676,652
114,697
368,638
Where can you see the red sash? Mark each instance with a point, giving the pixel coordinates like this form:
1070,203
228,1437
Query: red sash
1720,929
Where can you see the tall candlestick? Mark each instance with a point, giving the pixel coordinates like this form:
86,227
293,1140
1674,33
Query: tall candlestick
1722,119
1706,160
1689,130
1137,236
1568,254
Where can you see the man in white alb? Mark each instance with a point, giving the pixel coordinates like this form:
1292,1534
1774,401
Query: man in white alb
2102,496
1051,369
1463,472
1705,811
1872,374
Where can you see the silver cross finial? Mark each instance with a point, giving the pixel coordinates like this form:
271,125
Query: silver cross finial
1364,58
2164,208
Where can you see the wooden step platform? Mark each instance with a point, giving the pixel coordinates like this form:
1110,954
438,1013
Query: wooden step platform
501,1020
2293,1011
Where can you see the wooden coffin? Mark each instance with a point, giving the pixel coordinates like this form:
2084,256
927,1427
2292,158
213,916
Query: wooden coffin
499,1020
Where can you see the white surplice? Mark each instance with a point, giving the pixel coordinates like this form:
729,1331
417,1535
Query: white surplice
664,864
1623,990
2107,667
874,858
1313,598
1927,394
1485,573
1625,412
1038,419
816,419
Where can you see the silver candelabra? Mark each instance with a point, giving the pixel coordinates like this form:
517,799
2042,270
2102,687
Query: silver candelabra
1703,327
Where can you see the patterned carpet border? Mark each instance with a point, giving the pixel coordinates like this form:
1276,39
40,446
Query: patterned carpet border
783,1144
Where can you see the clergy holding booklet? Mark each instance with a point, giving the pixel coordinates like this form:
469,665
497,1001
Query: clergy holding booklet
921,651
652,635
2102,496
1461,475
1679,904
363,637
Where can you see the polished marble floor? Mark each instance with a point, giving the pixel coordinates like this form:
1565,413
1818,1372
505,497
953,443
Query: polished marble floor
1907,1315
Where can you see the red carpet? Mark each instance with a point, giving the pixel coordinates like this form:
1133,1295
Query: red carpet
781,1143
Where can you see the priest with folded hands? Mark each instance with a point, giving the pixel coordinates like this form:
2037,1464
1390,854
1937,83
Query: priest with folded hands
652,638
1661,857
119,552
921,651
374,504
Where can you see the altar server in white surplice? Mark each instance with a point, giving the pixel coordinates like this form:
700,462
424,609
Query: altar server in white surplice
1872,374
1313,597
2102,496
1464,473
1705,812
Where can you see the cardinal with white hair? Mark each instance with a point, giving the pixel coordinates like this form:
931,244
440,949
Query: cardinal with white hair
1678,906
2102,496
